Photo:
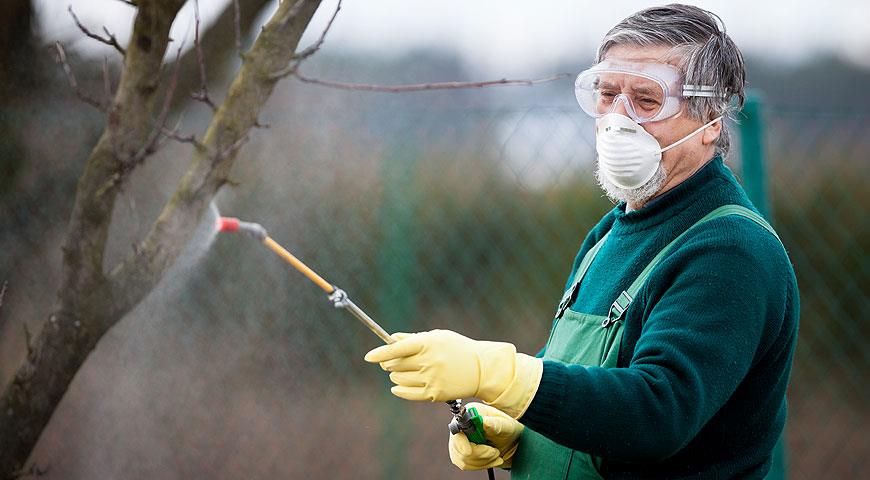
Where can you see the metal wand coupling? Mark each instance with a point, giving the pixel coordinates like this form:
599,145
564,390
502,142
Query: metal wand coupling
467,421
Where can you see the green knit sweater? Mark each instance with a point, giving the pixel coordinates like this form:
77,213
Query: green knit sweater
699,390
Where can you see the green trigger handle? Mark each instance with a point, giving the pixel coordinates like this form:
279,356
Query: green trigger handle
477,434
468,421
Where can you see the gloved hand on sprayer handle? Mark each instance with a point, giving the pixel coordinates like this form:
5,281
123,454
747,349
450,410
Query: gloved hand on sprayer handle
441,365
502,435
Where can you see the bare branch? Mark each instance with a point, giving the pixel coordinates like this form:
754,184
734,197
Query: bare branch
293,69
231,148
150,144
202,95
175,135
237,27
109,39
3,292
71,78
419,87
307,52
218,46
209,170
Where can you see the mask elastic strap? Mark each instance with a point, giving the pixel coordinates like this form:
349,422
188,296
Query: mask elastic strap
711,122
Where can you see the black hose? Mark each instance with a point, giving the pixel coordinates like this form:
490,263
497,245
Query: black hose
490,473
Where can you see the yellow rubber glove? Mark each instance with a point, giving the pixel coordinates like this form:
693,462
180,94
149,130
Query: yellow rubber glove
502,433
441,365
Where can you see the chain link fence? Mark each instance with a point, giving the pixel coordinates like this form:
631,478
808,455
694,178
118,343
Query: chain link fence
820,203
459,218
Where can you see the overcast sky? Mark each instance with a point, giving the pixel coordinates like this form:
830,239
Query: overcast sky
515,37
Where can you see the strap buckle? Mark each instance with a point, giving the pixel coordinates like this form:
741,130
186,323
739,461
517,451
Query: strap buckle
620,305
567,299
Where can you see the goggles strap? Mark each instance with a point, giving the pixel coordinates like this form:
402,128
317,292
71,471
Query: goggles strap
711,122
699,91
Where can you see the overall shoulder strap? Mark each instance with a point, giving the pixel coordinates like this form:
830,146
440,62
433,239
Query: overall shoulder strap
587,260
571,291
625,298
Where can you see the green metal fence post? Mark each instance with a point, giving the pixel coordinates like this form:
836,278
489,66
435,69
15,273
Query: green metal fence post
752,151
397,301
752,135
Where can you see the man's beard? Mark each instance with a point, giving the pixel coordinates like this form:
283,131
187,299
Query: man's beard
637,196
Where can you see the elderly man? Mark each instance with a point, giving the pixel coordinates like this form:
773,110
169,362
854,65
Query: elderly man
671,347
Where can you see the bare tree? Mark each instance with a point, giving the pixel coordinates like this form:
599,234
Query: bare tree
93,297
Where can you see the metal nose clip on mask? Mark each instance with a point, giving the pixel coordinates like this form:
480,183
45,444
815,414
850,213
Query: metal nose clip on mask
628,156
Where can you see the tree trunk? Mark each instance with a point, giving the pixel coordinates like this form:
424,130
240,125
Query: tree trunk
91,301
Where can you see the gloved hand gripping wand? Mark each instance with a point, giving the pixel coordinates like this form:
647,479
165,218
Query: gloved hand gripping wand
338,296
466,421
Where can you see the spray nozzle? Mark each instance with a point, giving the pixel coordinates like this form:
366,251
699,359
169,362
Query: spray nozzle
230,224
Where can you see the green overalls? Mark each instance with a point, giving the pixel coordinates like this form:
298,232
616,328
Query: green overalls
591,340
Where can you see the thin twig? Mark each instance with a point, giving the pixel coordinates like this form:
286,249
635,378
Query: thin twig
221,154
175,135
293,67
71,78
128,2
202,95
167,99
109,39
235,146
307,52
418,87
150,144
237,25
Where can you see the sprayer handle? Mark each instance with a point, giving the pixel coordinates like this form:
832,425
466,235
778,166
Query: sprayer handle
469,422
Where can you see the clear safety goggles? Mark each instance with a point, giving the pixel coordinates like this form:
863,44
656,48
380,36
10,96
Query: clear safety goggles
648,91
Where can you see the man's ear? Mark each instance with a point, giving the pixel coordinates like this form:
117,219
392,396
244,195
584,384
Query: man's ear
711,133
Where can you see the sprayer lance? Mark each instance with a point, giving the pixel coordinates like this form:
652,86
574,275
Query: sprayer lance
464,420
338,297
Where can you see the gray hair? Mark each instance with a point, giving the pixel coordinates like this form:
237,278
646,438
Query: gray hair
706,55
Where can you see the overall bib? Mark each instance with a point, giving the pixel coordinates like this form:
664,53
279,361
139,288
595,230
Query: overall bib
590,340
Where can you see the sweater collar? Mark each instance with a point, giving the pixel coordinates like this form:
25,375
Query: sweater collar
671,202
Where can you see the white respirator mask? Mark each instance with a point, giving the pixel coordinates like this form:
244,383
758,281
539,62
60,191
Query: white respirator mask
628,156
